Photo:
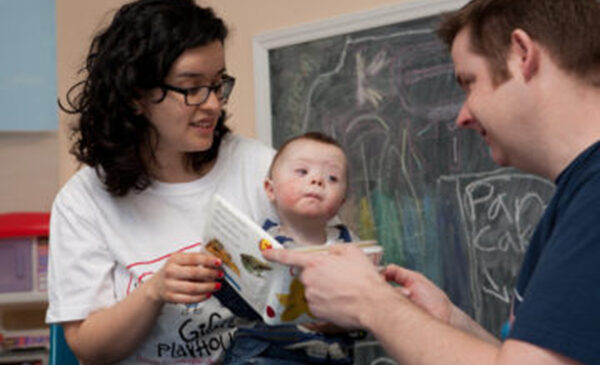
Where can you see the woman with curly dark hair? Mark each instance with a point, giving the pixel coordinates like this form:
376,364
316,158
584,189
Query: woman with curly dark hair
127,279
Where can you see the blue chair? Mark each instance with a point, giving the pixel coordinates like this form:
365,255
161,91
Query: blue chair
60,353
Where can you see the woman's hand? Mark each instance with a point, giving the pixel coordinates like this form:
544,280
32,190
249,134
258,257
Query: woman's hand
187,278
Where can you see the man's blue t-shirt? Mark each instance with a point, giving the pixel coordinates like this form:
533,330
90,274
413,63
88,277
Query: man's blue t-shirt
557,299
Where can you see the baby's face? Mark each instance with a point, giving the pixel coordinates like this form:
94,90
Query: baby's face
309,180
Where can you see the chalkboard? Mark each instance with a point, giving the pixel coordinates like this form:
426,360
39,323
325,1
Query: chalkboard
426,190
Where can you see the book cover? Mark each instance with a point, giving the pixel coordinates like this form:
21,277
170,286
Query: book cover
268,290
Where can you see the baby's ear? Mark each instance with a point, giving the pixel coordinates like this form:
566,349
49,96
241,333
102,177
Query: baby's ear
269,189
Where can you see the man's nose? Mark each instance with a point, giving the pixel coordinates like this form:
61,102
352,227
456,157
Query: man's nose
464,118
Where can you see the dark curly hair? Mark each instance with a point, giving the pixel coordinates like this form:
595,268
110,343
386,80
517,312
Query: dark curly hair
134,54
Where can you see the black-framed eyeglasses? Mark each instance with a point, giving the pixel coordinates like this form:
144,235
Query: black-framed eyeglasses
199,94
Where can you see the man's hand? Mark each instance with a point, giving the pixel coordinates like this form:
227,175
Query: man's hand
340,285
421,291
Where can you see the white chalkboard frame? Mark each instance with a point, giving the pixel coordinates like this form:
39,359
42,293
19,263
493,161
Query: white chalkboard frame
344,24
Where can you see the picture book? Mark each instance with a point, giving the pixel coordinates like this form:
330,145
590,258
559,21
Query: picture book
254,287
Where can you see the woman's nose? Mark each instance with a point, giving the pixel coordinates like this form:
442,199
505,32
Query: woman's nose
212,102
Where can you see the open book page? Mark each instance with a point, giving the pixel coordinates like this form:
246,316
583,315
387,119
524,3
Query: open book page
236,240
273,290
286,299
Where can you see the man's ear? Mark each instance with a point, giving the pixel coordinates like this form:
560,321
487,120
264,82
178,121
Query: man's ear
527,51
269,189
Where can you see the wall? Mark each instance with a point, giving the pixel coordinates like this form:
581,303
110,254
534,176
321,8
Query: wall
35,165
29,170
77,20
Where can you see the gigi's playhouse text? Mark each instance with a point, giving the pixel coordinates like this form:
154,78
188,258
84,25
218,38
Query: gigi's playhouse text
199,340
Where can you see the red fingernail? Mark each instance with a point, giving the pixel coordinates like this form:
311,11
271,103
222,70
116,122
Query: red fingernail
217,262
218,286
221,274
208,295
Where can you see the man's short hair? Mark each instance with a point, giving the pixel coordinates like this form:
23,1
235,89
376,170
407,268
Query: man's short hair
568,29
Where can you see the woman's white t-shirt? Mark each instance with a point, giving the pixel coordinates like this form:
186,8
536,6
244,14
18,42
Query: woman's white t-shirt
102,247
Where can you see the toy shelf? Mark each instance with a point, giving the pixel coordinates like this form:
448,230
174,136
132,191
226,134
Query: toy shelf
24,337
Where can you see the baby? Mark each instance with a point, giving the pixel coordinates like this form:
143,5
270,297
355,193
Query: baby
307,185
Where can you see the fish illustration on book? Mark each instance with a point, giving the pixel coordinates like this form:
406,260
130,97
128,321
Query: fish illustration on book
254,266
216,248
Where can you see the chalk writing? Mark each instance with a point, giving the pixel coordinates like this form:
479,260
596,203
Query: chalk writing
499,210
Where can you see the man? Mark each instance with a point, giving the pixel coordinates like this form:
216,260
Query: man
531,73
